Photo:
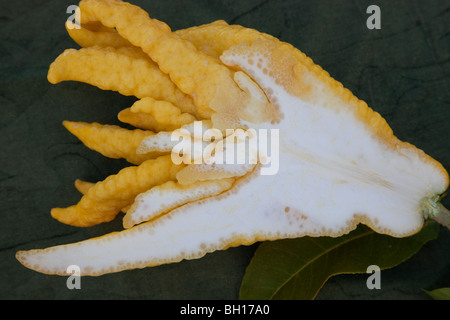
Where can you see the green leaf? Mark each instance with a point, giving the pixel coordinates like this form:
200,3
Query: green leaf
439,294
298,268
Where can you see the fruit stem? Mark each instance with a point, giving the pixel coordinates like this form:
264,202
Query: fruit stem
433,209
443,216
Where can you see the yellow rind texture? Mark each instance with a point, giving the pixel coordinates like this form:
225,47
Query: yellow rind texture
106,198
126,70
112,141
197,74
83,186
141,120
166,116
216,37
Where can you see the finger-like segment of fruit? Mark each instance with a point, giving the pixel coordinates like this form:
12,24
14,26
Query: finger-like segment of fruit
203,77
112,141
205,154
106,198
170,195
83,186
126,70
140,30
115,13
188,232
85,37
196,74
184,233
166,116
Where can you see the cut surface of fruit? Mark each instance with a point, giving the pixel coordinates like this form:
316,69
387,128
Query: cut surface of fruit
331,163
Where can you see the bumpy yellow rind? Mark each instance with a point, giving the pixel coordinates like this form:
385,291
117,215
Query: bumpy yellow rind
106,198
112,141
83,186
126,70
199,75
166,116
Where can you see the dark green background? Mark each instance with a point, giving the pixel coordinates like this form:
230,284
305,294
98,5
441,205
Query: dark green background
402,71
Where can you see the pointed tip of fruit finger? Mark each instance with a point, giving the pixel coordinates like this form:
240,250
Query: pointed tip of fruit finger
66,215
25,258
30,259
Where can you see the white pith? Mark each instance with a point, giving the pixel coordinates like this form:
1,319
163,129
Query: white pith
333,173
